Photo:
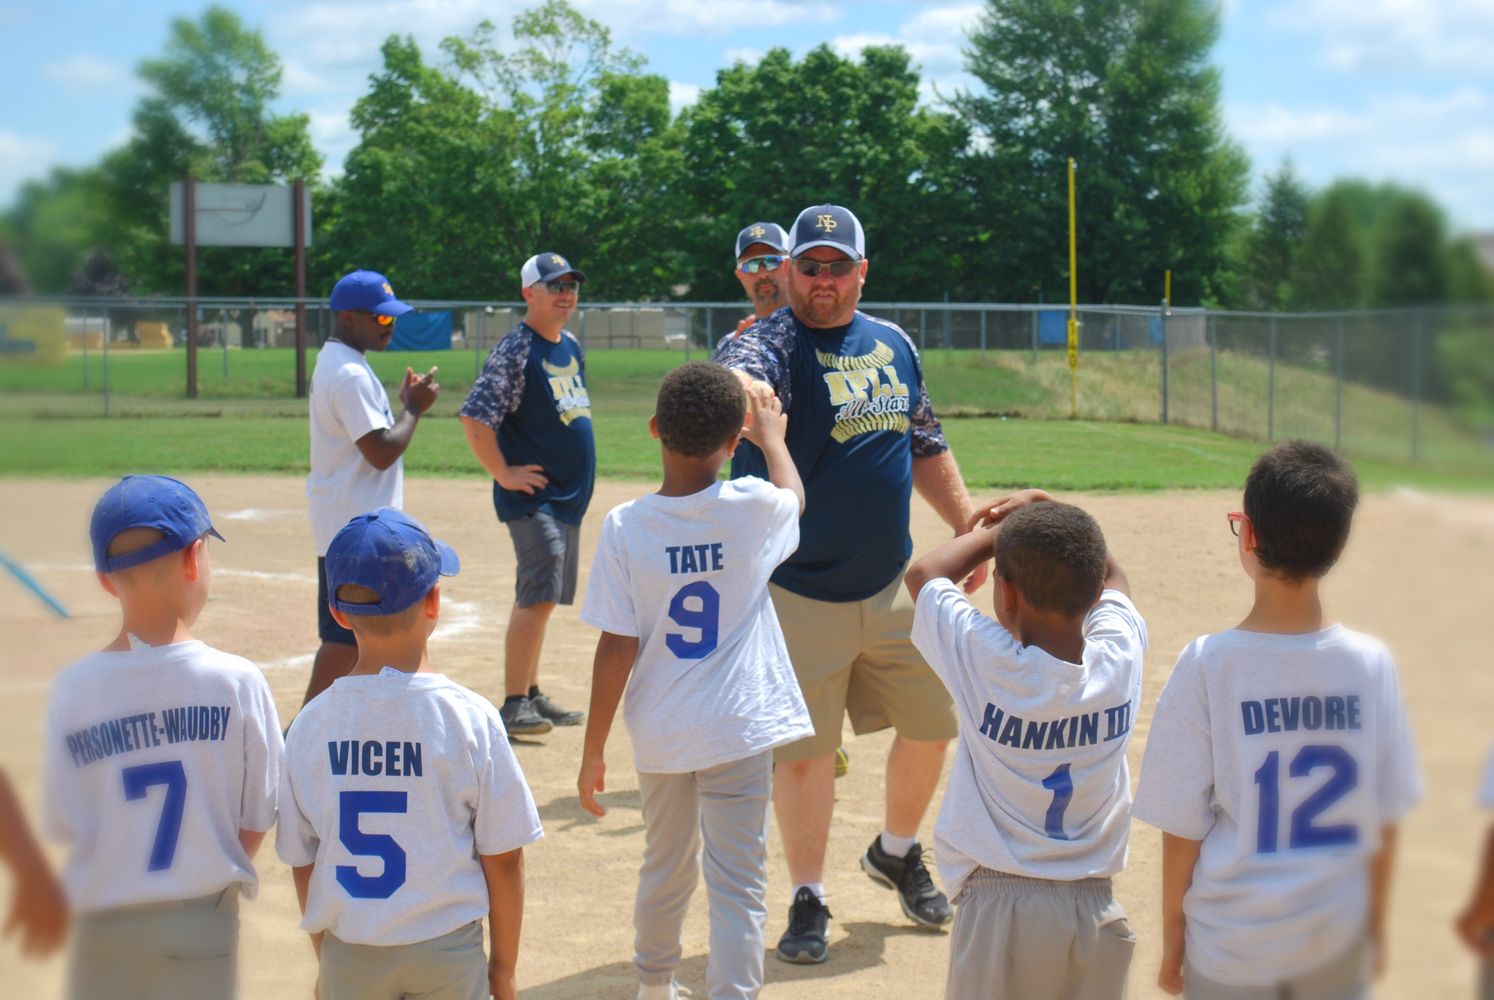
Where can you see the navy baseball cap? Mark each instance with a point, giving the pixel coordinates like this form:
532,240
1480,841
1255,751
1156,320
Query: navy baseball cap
768,233
829,226
160,502
391,554
546,266
366,291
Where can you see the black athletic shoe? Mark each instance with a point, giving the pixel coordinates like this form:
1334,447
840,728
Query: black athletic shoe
922,901
547,709
806,940
520,719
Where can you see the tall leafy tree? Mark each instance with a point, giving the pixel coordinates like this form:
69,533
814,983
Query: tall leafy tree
1409,254
1275,237
1329,268
1125,88
208,111
773,138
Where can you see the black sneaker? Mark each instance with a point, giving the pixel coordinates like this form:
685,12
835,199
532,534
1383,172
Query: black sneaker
922,901
547,709
520,719
806,940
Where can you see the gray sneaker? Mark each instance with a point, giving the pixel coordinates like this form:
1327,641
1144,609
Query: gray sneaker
547,709
520,719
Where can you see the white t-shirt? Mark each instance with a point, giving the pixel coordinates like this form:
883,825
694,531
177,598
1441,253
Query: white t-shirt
1285,755
1039,785
347,402
394,784
689,577
155,759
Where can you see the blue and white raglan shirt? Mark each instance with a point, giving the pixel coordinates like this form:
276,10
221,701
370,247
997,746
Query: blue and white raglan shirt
748,459
858,416
532,393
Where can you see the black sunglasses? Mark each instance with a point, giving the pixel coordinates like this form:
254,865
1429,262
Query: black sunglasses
812,268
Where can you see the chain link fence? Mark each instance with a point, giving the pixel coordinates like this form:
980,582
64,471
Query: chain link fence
1403,384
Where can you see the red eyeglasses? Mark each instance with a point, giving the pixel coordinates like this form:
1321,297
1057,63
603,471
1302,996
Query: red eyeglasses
1235,517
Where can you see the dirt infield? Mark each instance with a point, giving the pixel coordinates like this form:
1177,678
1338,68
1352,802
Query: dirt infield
1416,574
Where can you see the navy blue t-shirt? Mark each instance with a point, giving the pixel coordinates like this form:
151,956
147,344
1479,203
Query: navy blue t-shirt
858,415
748,459
532,392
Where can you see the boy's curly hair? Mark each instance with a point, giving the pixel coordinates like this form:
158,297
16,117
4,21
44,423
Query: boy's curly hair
1055,555
700,407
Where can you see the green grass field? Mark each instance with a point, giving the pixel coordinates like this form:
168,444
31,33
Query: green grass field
999,409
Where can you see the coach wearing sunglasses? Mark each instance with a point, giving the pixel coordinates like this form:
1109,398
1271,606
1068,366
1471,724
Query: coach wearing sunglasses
863,435
357,443
528,423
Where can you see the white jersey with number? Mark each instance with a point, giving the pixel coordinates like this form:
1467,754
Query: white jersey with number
394,783
155,759
1285,755
347,402
688,576
1039,785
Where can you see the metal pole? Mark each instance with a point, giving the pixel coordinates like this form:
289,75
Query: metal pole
1271,388
105,339
1214,371
1162,310
1036,313
710,329
922,322
223,336
1338,388
982,330
189,218
85,342
946,321
298,226
1418,334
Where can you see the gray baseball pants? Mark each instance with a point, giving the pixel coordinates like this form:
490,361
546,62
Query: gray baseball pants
1017,938
1346,977
177,948
718,815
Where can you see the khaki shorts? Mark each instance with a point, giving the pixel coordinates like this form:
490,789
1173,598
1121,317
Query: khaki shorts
178,948
1018,938
450,967
857,658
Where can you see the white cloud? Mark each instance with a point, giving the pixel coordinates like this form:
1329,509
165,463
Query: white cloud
1441,142
694,18
85,72
1444,37
682,95
750,56
935,42
24,158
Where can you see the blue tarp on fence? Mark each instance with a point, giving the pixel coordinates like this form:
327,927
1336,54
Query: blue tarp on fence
422,331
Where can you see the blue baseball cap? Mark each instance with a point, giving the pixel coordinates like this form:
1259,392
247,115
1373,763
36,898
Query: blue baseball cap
366,291
160,502
546,266
391,554
829,226
767,233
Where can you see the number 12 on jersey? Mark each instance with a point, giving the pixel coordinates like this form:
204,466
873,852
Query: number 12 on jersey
1305,832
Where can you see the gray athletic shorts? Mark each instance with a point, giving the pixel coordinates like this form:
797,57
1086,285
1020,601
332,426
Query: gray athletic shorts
1018,938
1346,977
449,967
179,948
549,552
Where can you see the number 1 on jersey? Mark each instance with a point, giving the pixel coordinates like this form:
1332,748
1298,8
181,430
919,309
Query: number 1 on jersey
1061,784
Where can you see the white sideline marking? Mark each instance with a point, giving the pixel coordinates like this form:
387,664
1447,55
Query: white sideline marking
257,513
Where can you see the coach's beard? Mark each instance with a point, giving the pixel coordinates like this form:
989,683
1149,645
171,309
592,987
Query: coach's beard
826,309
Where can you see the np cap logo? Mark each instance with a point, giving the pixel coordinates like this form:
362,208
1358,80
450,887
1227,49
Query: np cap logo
757,230
833,226
388,289
546,266
826,221
557,260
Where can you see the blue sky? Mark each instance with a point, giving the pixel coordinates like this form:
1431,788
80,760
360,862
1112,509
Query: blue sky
1398,90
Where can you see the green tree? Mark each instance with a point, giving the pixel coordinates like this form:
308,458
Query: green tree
1329,268
1275,237
773,138
1125,89
1409,254
207,112
54,223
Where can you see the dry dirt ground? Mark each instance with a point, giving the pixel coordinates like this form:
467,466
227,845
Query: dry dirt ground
1416,573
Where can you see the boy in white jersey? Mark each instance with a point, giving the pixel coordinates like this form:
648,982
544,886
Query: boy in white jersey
1278,764
404,813
1036,815
162,764
679,590
1476,923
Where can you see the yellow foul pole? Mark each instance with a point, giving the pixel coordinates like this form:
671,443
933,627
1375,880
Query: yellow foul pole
1073,305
